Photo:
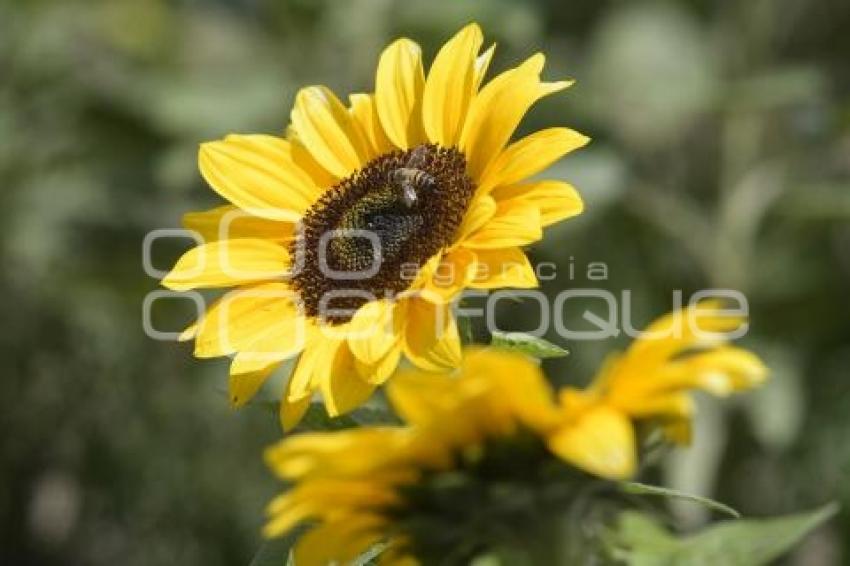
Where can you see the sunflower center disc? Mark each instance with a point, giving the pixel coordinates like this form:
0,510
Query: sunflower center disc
367,236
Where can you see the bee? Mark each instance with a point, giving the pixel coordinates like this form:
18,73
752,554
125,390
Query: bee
409,179
387,211
380,213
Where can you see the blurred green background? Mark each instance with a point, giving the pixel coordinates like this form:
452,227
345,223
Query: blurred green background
721,158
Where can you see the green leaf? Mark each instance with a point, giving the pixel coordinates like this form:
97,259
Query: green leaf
369,557
640,541
317,418
636,488
374,416
276,551
637,529
527,344
464,326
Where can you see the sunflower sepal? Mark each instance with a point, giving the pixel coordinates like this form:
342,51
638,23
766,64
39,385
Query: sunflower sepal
528,344
643,489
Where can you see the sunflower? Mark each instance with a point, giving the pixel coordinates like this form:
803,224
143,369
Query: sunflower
474,445
480,443
348,238
648,387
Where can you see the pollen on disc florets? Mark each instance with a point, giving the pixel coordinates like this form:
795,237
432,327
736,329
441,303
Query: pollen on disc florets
372,211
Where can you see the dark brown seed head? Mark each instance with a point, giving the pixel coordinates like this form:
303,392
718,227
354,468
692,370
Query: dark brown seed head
405,235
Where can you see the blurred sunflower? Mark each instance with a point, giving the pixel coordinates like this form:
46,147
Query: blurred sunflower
348,239
649,385
449,481
493,449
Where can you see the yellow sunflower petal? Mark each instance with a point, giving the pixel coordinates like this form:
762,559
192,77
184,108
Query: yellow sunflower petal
450,86
326,129
364,112
531,155
421,276
431,339
602,442
556,200
450,276
374,330
482,63
243,316
707,316
257,174
335,542
323,353
231,222
702,325
242,386
496,269
320,454
281,340
379,371
322,178
418,396
745,368
342,388
497,110
514,224
667,406
189,333
520,383
724,370
399,83
311,366
480,212
226,263
288,518
291,412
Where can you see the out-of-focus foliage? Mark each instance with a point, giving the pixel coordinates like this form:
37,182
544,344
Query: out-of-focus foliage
640,541
721,157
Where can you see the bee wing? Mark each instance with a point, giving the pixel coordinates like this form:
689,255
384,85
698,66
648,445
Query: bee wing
418,157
